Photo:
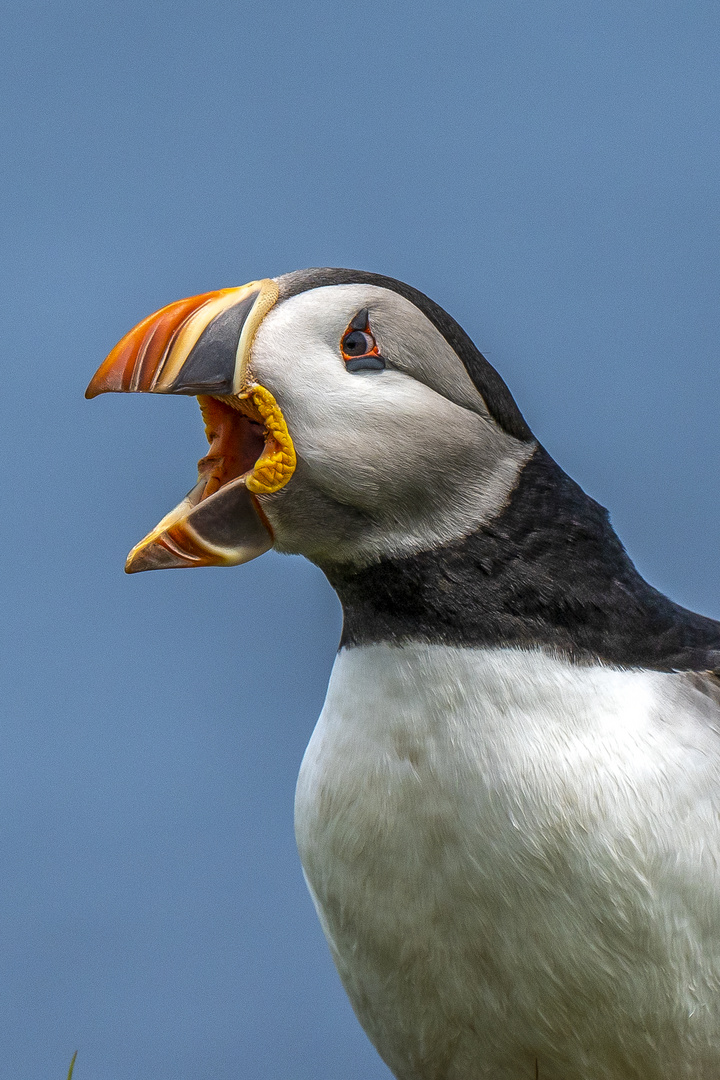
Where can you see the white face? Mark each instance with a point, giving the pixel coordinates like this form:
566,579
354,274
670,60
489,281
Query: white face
390,461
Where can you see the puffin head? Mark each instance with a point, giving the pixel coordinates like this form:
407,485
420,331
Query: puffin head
349,417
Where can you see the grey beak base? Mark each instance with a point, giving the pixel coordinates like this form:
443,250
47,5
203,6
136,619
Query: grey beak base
229,520
210,366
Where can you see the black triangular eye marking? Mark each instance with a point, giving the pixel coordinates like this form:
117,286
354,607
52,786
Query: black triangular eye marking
360,322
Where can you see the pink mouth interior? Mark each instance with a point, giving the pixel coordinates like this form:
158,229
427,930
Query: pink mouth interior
237,440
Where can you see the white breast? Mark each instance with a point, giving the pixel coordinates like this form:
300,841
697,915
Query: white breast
515,859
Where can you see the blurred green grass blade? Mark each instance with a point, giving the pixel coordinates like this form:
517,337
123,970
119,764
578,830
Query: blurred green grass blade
72,1066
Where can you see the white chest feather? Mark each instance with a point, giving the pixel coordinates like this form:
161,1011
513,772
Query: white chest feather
516,860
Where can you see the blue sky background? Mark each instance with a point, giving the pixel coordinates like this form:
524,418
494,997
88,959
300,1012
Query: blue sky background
546,171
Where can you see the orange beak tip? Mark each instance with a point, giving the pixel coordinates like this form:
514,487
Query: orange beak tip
154,557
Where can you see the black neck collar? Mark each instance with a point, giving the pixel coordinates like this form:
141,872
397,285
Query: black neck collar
548,572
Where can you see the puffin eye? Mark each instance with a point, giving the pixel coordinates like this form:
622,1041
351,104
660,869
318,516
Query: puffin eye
358,346
357,343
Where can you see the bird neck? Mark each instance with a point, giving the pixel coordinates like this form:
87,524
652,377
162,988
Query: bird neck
548,572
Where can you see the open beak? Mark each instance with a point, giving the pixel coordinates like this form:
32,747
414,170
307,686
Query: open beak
201,346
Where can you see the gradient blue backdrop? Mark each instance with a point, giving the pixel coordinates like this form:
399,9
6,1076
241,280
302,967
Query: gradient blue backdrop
546,171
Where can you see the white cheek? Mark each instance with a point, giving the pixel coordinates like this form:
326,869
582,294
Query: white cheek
419,468
363,436
313,389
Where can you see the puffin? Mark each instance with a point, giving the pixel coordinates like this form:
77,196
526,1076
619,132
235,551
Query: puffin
508,814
